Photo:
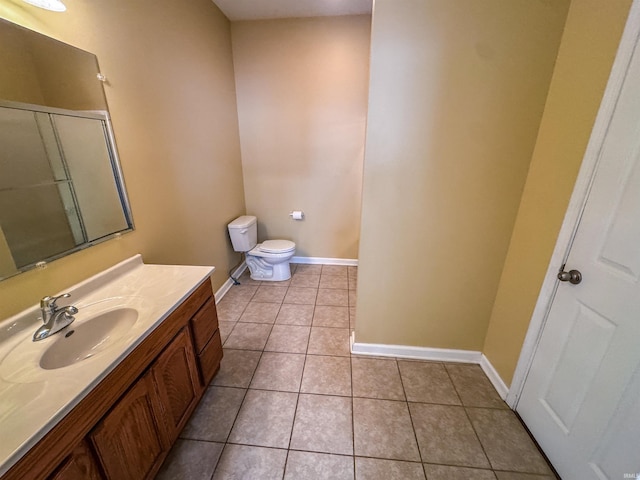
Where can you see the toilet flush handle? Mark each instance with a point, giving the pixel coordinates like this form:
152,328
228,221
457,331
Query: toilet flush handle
243,231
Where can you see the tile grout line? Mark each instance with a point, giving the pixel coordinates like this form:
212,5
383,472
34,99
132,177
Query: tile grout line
353,410
272,325
353,415
466,413
226,442
413,427
295,411
362,456
353,427
254,373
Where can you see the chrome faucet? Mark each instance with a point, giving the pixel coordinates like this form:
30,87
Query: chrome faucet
55,318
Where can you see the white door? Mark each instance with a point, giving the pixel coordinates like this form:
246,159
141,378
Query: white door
581,398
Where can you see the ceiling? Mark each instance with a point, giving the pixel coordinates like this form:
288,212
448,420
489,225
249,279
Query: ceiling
257,9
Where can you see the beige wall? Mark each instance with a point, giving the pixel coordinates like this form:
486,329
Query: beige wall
457,90
171,95
588,47
302,103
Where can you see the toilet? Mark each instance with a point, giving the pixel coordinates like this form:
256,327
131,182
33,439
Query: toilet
267,261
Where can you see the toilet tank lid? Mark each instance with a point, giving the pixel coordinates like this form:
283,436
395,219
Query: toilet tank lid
243,222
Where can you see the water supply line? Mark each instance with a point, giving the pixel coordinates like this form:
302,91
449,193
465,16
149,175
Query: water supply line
235,280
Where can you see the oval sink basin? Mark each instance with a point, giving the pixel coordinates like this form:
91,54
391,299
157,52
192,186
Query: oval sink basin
88,338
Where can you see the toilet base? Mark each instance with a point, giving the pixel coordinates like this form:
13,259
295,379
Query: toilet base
267,272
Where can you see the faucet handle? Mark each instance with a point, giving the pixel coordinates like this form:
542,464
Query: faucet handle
50,302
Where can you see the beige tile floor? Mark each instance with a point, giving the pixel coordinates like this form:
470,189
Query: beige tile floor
291,402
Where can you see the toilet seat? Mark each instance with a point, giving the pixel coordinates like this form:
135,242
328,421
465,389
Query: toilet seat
277,246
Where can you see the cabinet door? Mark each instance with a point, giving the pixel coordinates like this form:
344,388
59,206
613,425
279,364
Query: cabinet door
176,377
80,465
128,440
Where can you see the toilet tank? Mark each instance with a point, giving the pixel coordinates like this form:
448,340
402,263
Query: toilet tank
244,233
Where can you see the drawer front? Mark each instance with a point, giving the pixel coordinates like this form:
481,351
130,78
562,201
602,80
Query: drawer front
209,359
204,324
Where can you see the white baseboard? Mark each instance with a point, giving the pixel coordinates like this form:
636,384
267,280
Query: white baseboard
222,291
434,354
419,353
494,377
352,262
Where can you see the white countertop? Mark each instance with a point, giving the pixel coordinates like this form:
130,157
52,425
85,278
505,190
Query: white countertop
33,400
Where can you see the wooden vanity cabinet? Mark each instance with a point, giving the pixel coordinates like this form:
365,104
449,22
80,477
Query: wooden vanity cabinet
124,428
132,439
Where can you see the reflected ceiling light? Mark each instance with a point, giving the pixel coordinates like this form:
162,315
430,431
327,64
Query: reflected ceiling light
53,5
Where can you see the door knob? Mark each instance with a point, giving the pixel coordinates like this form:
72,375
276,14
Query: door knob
572,276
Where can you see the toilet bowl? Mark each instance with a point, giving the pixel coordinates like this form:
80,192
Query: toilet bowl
270,260
267,261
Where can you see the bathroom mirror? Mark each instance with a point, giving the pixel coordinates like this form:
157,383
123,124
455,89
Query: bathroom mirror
61,187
